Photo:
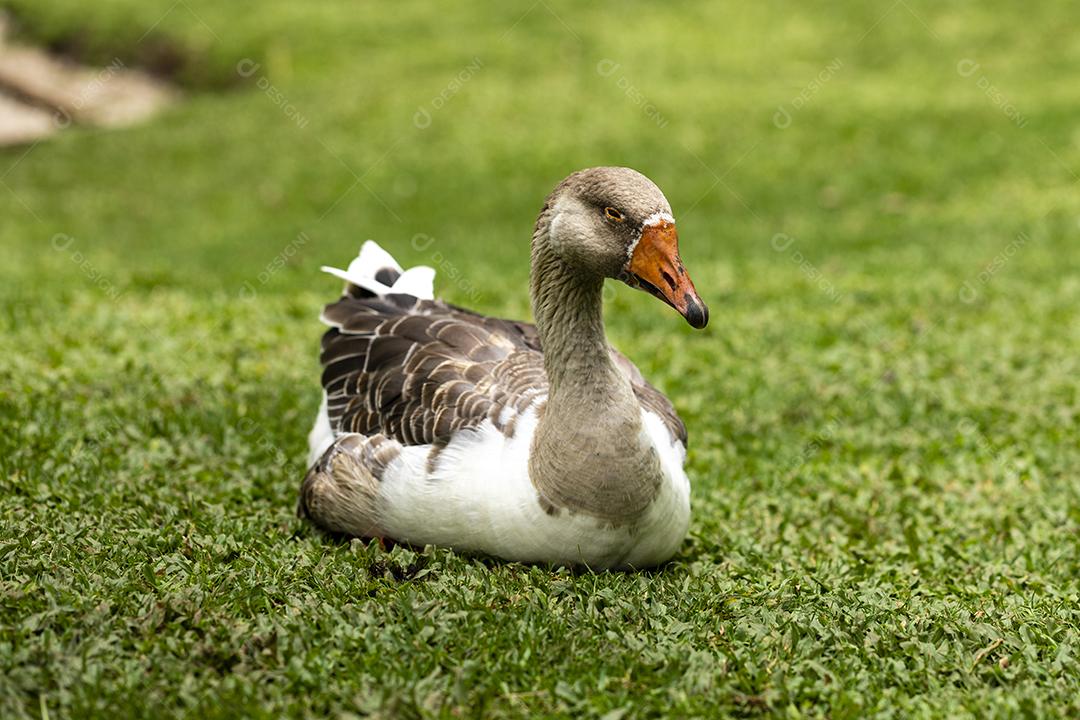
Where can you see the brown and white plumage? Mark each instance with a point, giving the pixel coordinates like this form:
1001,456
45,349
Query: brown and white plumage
420,370
433,427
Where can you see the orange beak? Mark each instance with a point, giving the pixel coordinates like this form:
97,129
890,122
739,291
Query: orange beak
656,268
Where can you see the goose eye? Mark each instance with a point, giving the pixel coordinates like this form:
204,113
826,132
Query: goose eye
612,214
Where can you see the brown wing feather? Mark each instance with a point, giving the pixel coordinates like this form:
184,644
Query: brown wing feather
418,371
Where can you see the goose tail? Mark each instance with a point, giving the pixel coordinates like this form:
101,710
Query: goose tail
375,272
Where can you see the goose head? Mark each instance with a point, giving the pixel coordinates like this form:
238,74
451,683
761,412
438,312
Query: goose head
614,222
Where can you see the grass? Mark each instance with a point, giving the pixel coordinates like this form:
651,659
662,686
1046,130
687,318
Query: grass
883,411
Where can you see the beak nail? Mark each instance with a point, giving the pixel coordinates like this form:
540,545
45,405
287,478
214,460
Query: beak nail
697,313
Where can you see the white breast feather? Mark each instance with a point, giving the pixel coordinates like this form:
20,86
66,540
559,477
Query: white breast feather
479,497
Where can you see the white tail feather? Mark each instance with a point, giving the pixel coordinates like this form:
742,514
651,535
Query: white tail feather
417,281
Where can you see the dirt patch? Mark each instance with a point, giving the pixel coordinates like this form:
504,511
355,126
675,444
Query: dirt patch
42,94
21,123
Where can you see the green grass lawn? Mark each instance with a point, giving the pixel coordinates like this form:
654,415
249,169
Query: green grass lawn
879,202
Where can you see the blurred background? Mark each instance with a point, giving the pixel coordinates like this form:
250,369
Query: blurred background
878,201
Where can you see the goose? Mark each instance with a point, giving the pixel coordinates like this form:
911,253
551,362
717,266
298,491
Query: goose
531,443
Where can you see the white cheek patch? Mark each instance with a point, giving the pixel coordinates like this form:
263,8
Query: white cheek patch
555,228
561,215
